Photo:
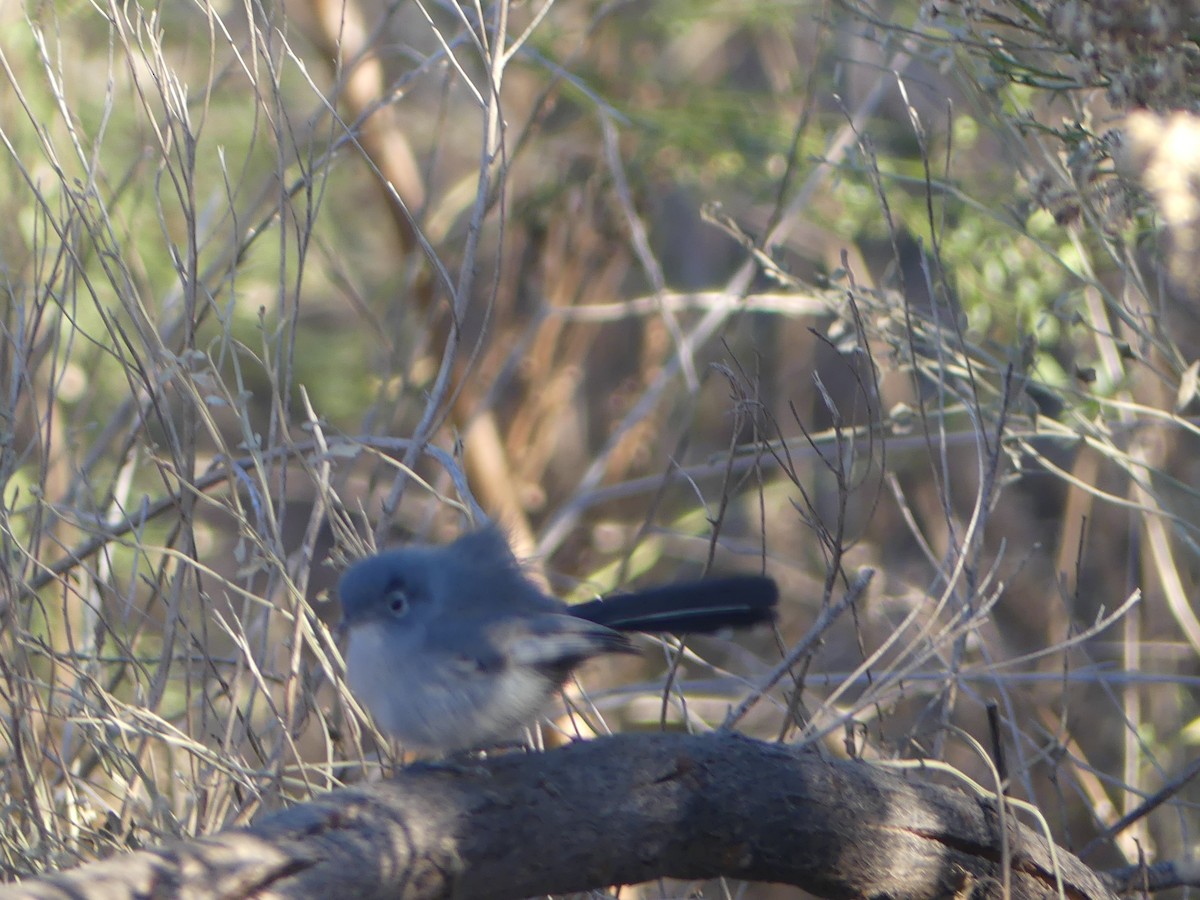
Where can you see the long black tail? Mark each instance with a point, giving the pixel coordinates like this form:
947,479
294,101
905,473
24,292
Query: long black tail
693,607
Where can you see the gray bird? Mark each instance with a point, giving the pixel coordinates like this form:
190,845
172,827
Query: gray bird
453,648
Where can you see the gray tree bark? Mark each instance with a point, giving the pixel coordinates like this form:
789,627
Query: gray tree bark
618,810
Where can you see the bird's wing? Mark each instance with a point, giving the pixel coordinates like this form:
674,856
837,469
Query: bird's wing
557,641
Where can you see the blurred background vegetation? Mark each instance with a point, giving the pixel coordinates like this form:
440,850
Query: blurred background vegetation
662,286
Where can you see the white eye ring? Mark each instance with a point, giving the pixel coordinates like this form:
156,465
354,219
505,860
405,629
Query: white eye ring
397,601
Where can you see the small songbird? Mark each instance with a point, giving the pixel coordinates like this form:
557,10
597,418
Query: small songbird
453,648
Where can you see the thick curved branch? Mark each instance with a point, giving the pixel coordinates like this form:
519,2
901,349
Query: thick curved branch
617,810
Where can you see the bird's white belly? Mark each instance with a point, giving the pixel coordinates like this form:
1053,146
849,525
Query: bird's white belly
440,701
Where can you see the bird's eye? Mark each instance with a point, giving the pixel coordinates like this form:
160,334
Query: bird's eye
397,601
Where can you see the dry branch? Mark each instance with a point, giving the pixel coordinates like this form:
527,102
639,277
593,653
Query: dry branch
617,810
